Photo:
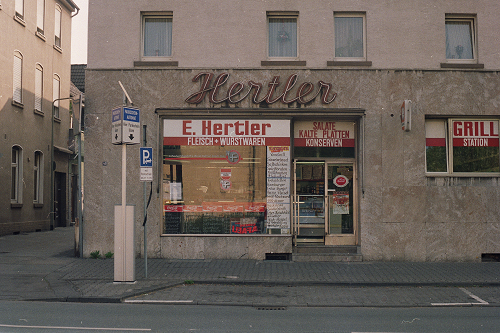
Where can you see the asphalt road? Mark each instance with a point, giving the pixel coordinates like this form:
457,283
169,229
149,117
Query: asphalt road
91,317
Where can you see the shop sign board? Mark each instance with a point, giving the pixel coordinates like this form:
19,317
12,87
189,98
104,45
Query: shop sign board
475,133
126,125
323,134
226,132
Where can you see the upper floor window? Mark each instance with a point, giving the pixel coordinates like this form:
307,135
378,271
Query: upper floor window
460,38
40,16
56,93
283,37
38,88
461,145
16,175
17,94
157,35
57,26
350,36
19,7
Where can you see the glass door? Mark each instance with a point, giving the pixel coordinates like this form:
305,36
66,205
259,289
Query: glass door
309,202
324,203
341,203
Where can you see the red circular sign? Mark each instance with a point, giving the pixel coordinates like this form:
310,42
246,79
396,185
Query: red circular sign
341,181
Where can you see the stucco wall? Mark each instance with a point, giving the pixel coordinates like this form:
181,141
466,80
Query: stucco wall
233,34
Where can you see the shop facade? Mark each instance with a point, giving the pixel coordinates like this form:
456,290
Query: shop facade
258,161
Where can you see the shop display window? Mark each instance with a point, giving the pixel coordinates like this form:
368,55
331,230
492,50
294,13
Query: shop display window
462,146
211,185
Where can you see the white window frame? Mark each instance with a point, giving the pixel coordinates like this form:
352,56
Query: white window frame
472,21
17,79
17,175
39,88
347,15
160,15
56,94
38,177
283,15
448,123
58,27
40,16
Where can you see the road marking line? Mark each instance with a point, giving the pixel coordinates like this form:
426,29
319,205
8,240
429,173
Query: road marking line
481,301
78,328
141,301
474,296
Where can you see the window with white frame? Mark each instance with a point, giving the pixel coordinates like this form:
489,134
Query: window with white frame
350,36
16,175
57,26
460,38
462,145
19,7
156,35
38,88
283,35
38,178
40,16
56,93
17,93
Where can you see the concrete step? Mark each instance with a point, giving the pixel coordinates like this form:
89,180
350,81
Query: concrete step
312,249
331,257
303,253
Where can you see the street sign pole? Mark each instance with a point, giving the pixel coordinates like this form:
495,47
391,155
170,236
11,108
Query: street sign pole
125,130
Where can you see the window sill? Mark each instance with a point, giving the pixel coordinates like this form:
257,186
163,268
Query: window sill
58,49
461,175
461,65
282,63
19,20
156,63
37,205
38,112
349,63
57,120
18,104
16,205
41,36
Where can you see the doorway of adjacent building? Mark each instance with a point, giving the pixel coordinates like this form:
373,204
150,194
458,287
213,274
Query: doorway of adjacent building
324,202
60,200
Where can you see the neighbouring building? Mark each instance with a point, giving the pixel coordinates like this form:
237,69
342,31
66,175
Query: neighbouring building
316,130
35,118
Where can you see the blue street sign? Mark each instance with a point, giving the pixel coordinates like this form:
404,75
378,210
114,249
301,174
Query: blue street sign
146,157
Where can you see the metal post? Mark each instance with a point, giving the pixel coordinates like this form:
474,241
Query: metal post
144,142
79,181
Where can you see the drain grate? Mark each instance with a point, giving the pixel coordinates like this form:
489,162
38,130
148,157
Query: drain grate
271,307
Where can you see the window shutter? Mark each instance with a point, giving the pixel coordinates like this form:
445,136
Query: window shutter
17,80
38,89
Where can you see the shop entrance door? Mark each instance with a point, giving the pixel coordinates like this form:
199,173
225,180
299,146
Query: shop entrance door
324,203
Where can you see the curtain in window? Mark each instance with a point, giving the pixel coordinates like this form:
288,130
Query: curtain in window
459,40
157,37
349,37
40,13
282,37
57,27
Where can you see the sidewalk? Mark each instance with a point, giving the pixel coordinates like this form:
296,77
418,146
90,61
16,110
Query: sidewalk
40,266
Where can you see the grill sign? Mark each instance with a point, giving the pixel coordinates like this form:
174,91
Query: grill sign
475,133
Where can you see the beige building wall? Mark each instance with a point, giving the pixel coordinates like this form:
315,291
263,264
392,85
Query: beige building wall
233,34
20,124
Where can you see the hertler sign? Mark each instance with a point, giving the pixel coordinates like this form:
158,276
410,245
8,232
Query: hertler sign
239,91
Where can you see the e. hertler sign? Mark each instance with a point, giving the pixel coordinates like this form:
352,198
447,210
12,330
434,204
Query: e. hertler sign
227,132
